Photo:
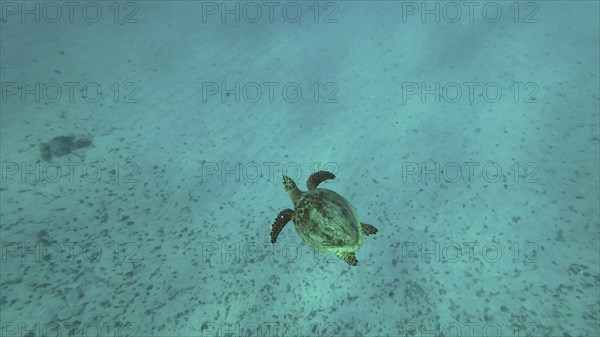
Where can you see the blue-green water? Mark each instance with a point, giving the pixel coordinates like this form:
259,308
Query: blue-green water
143,144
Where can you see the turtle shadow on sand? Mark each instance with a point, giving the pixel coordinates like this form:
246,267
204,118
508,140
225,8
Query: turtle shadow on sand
63,145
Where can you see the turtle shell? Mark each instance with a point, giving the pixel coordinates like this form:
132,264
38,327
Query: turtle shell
327,222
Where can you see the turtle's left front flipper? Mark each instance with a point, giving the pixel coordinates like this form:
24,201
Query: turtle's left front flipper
280,221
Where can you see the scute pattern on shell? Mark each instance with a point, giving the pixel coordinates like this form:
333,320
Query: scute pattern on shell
327,221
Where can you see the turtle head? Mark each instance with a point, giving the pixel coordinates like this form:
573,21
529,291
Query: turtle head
290,187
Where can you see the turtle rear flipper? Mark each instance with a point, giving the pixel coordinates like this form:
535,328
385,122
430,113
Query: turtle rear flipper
368,229
318,177
280,221
349,257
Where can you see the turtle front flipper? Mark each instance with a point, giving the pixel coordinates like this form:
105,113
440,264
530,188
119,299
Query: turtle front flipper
349,257
318,177
280,221
368,229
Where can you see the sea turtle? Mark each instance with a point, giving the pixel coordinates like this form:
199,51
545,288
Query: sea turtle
325,220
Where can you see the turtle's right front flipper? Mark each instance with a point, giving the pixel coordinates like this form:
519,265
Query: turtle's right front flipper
318,177
280,221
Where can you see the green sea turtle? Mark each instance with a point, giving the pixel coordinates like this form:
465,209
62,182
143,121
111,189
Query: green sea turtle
325,220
